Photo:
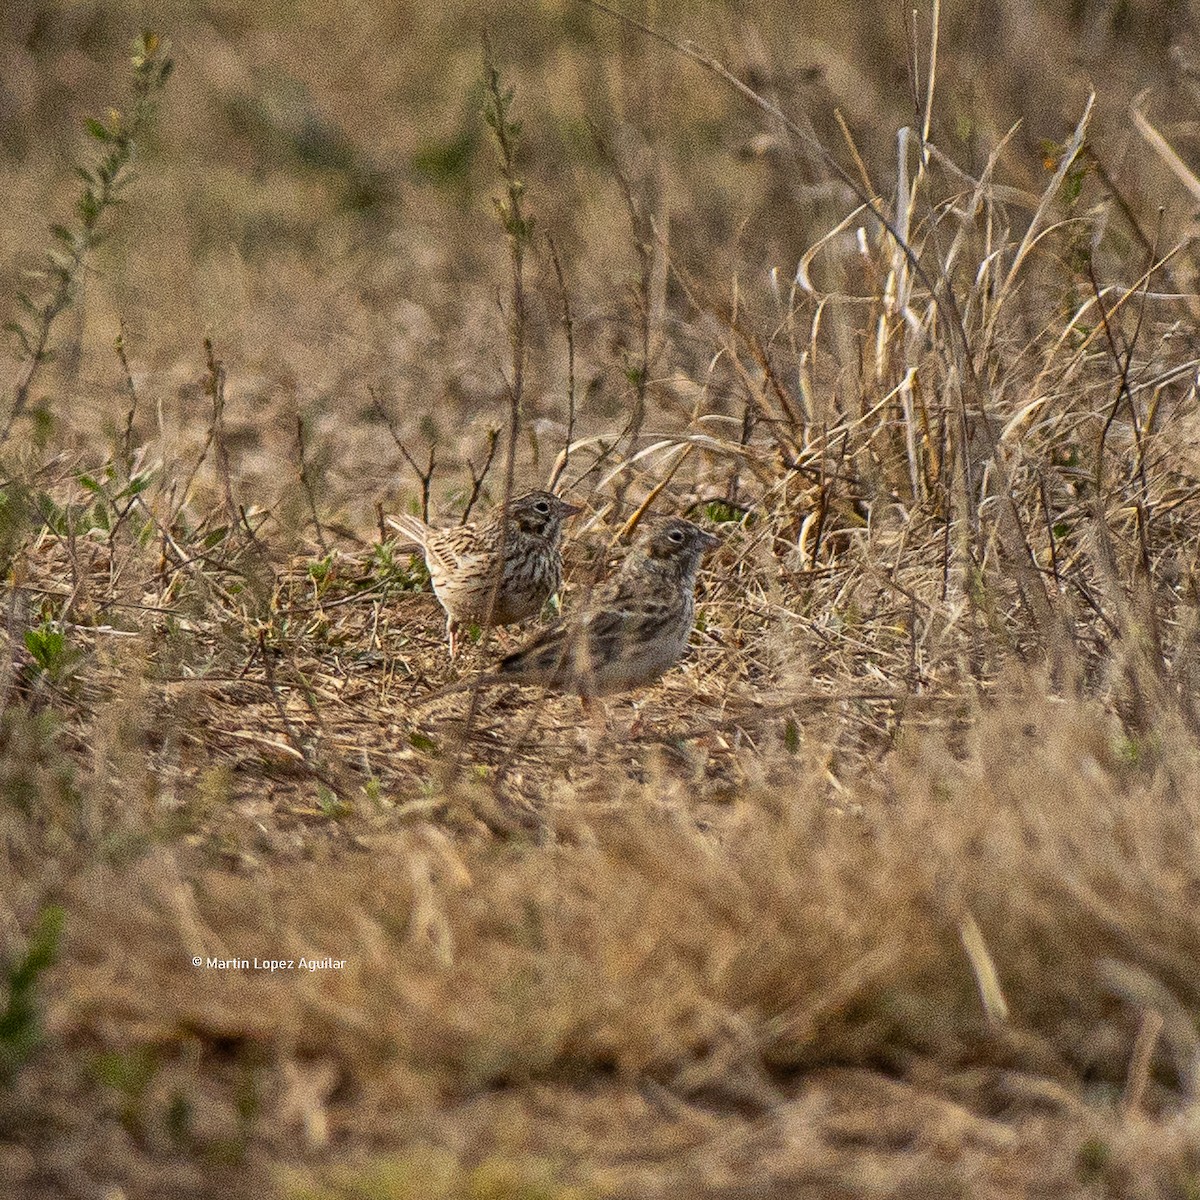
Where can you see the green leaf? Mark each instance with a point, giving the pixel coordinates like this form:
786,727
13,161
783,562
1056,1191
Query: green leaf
791,736
721,512
330,805
43,946
97,130
20,1019
46,645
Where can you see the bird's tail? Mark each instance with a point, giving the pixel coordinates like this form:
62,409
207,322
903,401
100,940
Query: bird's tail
411,527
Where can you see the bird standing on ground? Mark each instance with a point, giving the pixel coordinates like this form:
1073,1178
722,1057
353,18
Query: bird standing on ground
634,627
520,545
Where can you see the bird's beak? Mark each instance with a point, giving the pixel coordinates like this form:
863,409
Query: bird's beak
708,542
569,510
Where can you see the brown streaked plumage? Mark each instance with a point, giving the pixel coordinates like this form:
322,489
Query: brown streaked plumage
525,550
634,628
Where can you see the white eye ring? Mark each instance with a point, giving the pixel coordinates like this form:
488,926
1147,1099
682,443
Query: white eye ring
675,536
542,507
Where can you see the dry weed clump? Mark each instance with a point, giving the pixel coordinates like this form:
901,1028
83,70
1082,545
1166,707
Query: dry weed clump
890,889
975,958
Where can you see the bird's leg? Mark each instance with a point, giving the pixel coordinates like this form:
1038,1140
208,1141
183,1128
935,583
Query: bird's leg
452,634
635,730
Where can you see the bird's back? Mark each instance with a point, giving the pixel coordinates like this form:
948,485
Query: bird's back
634,627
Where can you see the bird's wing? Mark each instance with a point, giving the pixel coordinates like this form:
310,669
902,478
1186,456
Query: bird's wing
617,629
548,651
454,550
598,636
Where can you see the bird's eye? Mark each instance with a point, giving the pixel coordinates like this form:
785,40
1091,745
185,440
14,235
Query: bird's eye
675,536
542,507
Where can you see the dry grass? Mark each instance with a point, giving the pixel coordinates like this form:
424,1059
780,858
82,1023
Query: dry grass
890,889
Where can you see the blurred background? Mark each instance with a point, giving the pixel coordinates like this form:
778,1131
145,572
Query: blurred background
318,193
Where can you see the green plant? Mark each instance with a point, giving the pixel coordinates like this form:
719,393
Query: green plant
130,1074
104,178
18,517
20,1019
114,498
52,653
330,805
518,227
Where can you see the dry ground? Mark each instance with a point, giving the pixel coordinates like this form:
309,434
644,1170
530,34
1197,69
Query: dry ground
889,890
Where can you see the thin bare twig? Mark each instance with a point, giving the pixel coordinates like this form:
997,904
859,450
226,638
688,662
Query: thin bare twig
424,474
568,322
306,484
478,477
